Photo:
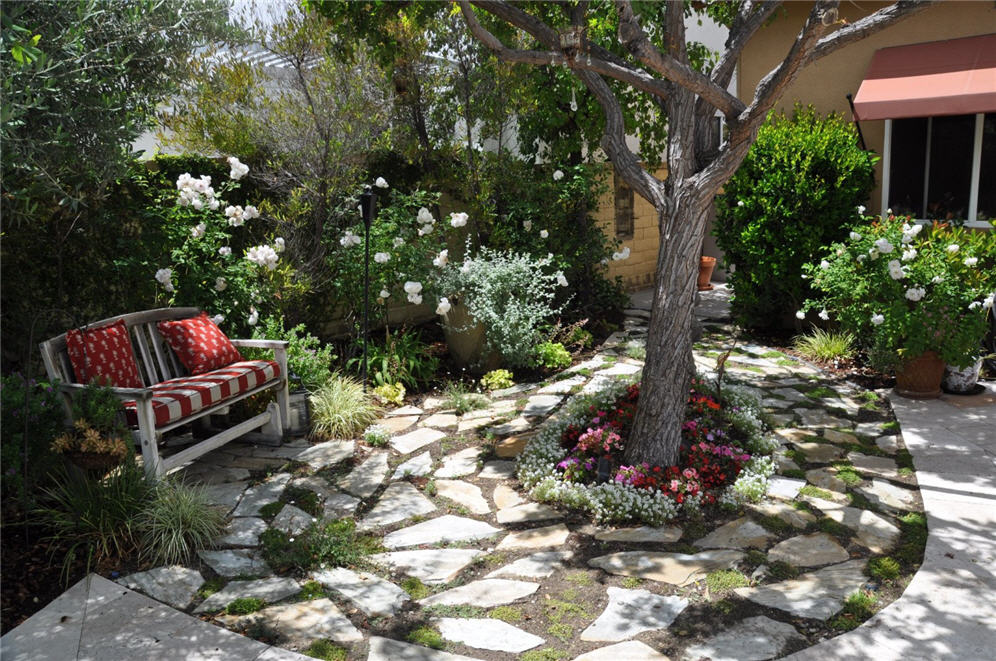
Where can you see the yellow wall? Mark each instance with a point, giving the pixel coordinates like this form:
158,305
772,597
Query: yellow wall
825,83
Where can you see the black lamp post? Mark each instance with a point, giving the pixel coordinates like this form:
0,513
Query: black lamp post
368,205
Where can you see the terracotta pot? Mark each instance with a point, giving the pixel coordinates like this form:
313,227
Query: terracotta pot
466,342
94,461
920,378
706,265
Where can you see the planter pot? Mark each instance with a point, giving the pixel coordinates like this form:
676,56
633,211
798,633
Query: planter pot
94,461
706,265
920,378
962,381
466,341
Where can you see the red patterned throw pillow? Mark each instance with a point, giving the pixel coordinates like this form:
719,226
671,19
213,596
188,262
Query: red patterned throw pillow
199,344
103,354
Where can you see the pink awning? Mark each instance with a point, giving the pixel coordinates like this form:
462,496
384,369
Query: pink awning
955,77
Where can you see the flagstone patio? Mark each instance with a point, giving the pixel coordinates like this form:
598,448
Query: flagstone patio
479,544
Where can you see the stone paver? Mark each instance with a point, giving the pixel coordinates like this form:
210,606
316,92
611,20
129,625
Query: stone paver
485,593
446,528
387,649
459,463
630,612
399,501
821,453
536,538
371,593
872,465
311,620
242,531
269,590
888,444
262,494
785,512
431,566
674,568
418,466
414,440
753,639
887,495
817,595
527,513
506,497
808,551
237,562
465,494
739,534
292,520
487,634
176,586
784,487
539,405
326,454
366,478
406,410
339,505
631,650
563,386
514,426
398,425
872,530
442,421
825,478
537,565
498,470
642,534
226,494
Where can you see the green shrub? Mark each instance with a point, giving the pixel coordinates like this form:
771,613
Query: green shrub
326,650
459,398
402,358
825,346
510,294
427,637
96,518
176,521
858,608
797,191
340,408
309,363
415,588
244,606
311,590
303,499
724,580
330,544
31,416
497,380
552,355
377,436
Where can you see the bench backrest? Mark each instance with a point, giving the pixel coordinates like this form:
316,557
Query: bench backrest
156,361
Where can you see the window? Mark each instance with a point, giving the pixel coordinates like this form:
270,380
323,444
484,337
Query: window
624,208
941,168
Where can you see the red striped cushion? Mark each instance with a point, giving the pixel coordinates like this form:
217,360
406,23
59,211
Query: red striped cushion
199,344
103,354
178,398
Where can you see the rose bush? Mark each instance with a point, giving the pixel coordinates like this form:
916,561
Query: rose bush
906,288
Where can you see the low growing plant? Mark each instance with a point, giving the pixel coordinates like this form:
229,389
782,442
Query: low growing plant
326,650
497,380
377,436
328,544
340,408
309,363
459,398
390,393
402,358
552,355
826,346
176,521
244,606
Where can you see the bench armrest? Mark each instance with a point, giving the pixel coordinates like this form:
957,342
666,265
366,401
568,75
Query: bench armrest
123,394
261,344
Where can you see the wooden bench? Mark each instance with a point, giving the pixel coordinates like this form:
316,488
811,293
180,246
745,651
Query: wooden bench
157,363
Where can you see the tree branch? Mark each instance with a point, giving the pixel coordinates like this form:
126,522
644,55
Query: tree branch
747,23
636,41
866,26
639,79
624,161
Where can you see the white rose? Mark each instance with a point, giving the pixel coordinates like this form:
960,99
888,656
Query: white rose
458,219
824,264
198,230
415,298
824,315
621,255
877,319
384,293
220,284
855,236
861,208
441,259
557,175
909,254
800,314
251,212
381,182
443,307
527,225
426,229
884,246
740,203
382,257
896,270
239,169
253,317
544,234
163,276
561,280
413,287
974,305
278,244
971,261
915,293
398,242
217,319
953,248
425,216
224,251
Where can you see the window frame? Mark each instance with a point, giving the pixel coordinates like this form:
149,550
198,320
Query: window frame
973,195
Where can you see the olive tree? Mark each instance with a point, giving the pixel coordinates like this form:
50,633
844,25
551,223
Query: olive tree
656,63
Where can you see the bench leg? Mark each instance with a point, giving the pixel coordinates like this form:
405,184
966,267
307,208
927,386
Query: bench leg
154,468
283,390
274,427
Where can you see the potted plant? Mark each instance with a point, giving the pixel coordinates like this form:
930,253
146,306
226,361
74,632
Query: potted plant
97,438
706,266
918,294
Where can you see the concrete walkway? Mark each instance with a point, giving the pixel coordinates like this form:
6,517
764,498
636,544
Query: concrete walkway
949,609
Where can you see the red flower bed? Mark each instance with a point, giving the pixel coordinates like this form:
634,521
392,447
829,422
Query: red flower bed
710,455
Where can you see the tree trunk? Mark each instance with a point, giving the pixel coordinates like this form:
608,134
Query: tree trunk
656,434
